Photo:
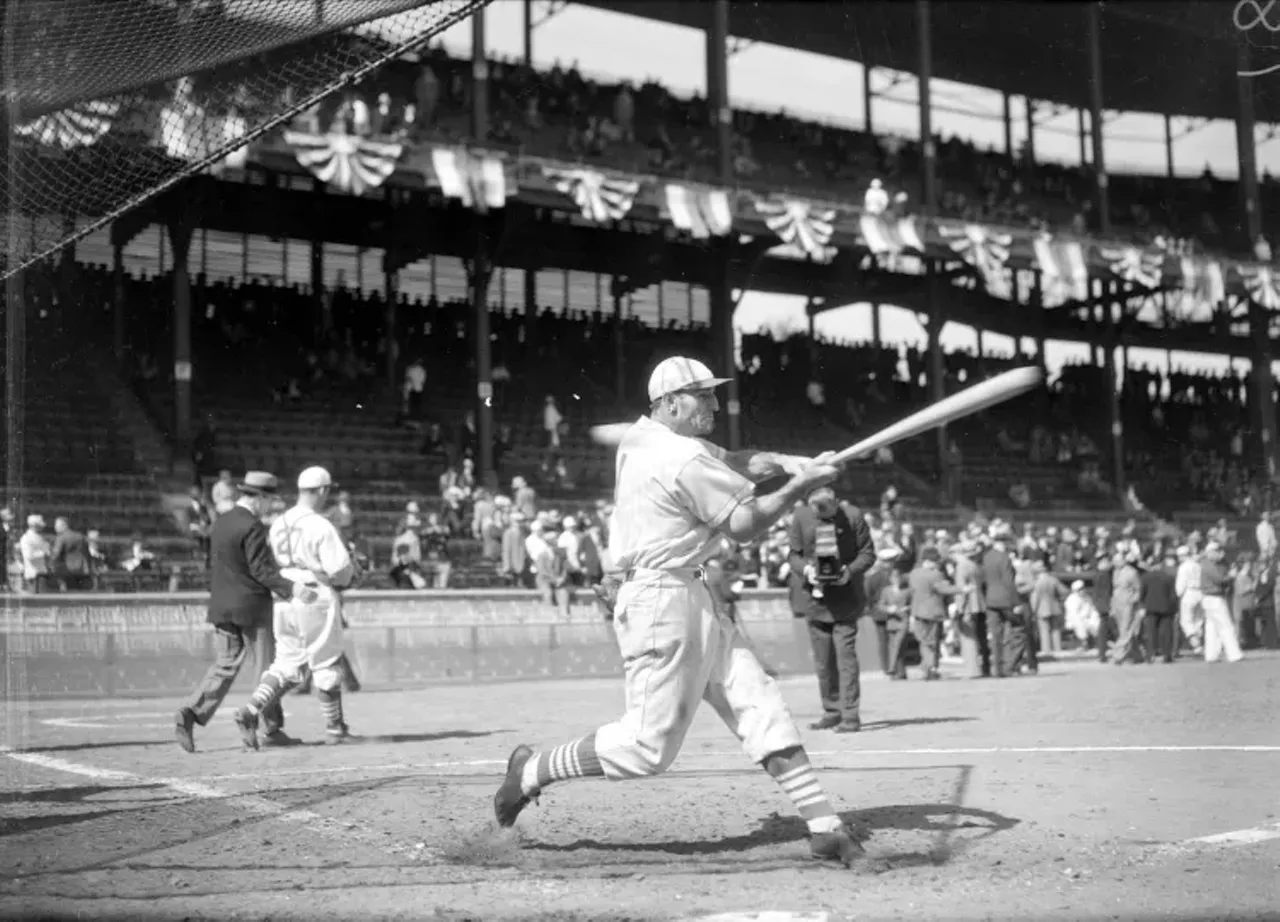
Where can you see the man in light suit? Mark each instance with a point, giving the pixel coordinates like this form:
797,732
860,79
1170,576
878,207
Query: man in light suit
974,643
244,580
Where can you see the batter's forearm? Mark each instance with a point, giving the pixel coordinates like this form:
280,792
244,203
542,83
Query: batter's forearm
758,513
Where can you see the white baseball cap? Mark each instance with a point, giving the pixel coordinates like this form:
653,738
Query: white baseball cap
681,374
313,478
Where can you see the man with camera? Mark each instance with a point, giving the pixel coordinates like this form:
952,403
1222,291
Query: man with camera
831,550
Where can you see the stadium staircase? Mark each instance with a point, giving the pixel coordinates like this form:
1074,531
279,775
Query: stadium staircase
85,456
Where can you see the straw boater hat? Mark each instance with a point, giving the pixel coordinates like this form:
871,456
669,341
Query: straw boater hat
259,483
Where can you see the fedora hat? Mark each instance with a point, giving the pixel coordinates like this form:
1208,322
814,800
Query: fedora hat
259,482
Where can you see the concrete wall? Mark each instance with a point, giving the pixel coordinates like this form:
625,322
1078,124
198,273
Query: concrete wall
142,645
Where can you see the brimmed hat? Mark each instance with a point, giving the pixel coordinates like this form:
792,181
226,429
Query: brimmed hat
258,483
314,478
681,374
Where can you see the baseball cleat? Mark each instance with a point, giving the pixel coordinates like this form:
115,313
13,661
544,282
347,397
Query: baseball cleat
836,846
336,736
247,722
826,723
511,798
183,724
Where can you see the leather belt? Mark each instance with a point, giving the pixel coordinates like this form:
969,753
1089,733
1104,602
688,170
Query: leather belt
699,573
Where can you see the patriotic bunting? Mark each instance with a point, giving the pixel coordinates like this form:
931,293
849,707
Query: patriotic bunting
702,212
1141,267
598,197
1064,275
478,181
987,252
883,237
799,225
1260,283
344,161
187,132
79,126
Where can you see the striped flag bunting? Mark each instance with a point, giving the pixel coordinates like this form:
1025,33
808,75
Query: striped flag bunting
799,225
600,198
477,180
986,252
1064,275
81,125
890,237
1130,264
347,162
1260,283
700,211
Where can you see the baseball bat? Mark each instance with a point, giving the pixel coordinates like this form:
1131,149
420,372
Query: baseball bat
971,400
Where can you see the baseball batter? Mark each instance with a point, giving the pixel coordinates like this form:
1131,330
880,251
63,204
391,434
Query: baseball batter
677,496
308,628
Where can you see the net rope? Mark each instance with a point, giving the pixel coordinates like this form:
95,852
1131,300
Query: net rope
111,104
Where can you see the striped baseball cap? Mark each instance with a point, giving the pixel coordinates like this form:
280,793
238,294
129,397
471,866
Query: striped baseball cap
681,374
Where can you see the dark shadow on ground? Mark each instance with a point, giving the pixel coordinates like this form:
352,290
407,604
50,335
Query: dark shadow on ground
362,740
66,795
913,721
82,747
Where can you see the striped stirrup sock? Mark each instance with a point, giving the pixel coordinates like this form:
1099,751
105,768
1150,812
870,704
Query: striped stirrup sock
267,693
801,785
572,760
331,705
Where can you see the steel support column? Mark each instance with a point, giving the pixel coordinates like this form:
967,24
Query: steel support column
1259,317
929,201
528,33
1093,15
867,96
1082,131
619,340
721,298
118,307
1168,145
1093,21
1008,126
323,319
1031,135
180,233
481,267
390,288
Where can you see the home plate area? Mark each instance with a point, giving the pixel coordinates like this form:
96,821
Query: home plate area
1087,792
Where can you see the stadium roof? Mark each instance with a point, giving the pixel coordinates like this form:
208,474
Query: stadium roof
1159,56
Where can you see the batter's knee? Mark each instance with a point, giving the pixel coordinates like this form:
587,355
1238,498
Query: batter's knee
624,755
284,675
327,678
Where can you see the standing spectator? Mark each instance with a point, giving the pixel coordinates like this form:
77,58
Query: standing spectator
895,602
1244,597
1190,611
244,578
1126,598
552,420
1005,621
569,543
930,592
415,383
515,558
525,498
435,539
1047,598
547,563
831,552
223,494
876,199
98,563
1265,533
1219,631
6,545
1160,601
35,551
70,557
878,577
624,113
1103,584
971,610
426,94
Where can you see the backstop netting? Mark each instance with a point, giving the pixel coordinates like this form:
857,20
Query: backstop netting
111,102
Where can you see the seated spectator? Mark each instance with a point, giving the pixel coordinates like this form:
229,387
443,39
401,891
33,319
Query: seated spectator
406,561
435,540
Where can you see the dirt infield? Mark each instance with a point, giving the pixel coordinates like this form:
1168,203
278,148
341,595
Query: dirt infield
1077,794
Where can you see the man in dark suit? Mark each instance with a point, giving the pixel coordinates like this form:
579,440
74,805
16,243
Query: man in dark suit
243,577
70,557
1160,600
831,551
1004,604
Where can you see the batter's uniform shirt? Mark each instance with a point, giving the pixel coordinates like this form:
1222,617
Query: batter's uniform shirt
309,550
674,494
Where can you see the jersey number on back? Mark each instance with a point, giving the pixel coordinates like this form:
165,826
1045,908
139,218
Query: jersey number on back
282,549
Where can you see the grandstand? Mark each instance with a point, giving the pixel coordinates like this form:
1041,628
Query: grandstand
596,274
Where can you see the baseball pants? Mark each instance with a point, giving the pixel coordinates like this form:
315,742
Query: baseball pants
309,640
677,651
1219,630
231,644
1191,618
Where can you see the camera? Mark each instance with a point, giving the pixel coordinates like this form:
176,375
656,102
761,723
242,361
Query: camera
827,567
